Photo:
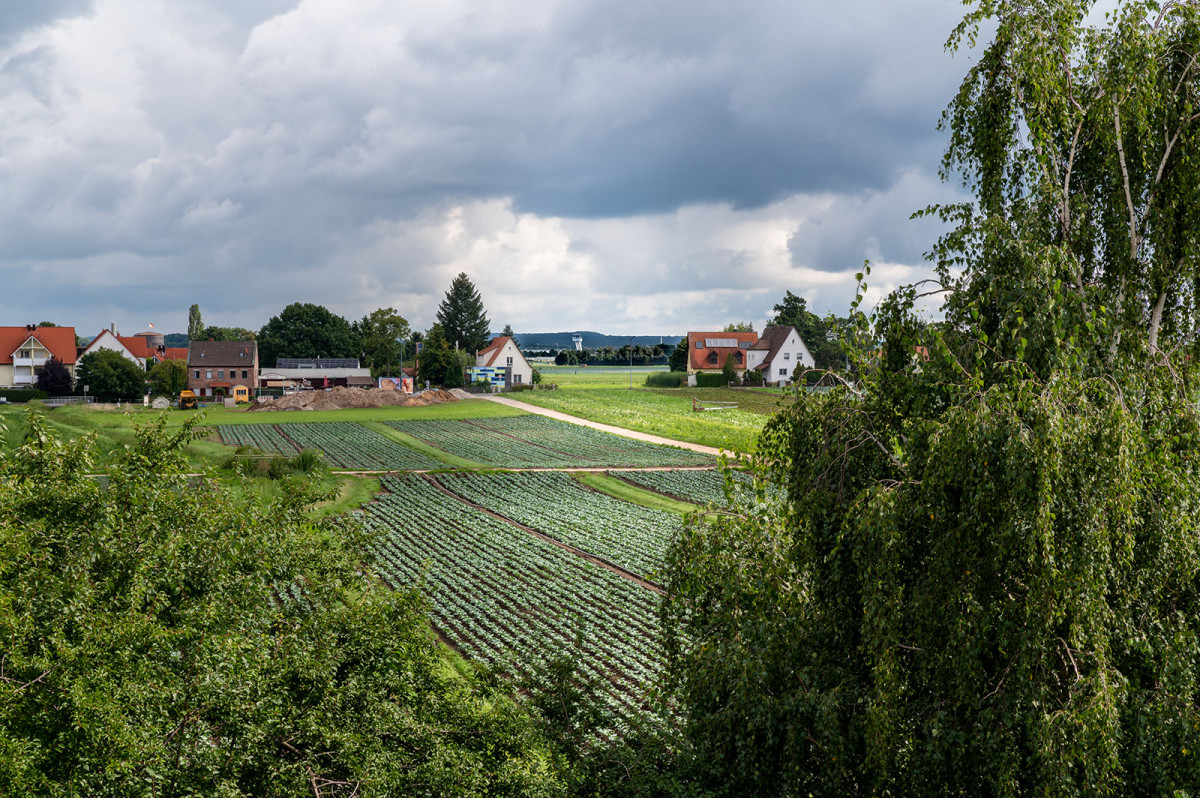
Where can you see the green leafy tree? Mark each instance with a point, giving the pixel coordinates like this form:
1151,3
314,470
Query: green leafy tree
819,335
508,332
213,333
306,330
195,325
168,378
679,356
729,369
741,326
379,335
456,367
152,646
54,378
462,317
47,324
434,359
982,578
109,375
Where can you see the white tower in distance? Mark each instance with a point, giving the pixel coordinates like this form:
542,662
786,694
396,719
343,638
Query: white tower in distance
577,339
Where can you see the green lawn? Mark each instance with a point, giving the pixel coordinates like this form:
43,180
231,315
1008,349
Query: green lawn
602,394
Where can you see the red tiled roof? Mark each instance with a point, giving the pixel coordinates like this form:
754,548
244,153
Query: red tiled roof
176,353
59,340
698,358
136,344
495,347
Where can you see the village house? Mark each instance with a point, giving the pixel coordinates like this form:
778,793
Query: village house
501,363
25,350
143,349
775,354
223,369
707,351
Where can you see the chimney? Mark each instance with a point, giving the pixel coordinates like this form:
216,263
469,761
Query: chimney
30,327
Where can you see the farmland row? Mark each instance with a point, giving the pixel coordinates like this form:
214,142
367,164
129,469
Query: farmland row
697,487
498,592
537,442
344,444
632,537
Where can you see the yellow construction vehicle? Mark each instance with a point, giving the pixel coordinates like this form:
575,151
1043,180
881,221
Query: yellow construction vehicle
187,400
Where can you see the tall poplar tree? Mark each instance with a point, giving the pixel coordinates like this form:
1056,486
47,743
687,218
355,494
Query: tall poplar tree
462,316
195,325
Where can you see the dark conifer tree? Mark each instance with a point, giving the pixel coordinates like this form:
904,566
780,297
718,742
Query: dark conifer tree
462,316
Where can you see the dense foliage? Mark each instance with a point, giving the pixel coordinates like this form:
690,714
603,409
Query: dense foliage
303,329
54,378
168,377
986,576
462,316
380,334
164,639
110,375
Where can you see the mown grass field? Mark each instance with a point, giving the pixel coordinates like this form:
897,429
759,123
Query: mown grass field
603,394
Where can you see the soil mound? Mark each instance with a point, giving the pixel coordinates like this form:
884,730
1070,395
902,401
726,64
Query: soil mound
343,398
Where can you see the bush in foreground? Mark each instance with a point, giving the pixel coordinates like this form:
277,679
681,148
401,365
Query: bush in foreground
165,640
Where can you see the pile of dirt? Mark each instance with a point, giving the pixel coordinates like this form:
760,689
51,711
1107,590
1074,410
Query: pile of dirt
342,398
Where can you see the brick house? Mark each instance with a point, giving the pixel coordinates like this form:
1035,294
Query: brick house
215,368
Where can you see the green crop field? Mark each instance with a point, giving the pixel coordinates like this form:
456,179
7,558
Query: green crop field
499,593
537,442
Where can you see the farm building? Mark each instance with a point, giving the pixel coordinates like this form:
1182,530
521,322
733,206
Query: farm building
25,350
501,363
775,354
217,368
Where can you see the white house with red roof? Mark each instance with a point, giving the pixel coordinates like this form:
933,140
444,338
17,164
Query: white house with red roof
109,340
775,354
503,356
25,350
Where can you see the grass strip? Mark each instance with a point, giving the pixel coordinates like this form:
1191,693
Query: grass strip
620,489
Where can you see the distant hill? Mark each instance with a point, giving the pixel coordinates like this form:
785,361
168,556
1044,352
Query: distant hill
591,340
175,339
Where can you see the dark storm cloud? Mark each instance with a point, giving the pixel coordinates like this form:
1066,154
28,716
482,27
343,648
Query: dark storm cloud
244,154
17,16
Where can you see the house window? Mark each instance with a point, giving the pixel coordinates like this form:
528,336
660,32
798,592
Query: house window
208,374
712,358
509,362
516,378
26,353
782,372
197,373
220,374
243,374
699,344
738,358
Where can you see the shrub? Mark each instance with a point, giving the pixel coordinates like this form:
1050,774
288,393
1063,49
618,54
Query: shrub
711,379
307,461
22,394
666,379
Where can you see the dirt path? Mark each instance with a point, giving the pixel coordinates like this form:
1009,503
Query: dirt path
583,422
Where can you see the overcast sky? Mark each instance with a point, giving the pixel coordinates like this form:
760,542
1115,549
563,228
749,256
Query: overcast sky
626,167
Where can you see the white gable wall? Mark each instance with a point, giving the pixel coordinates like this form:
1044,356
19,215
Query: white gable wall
792,353
106,340
509,355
